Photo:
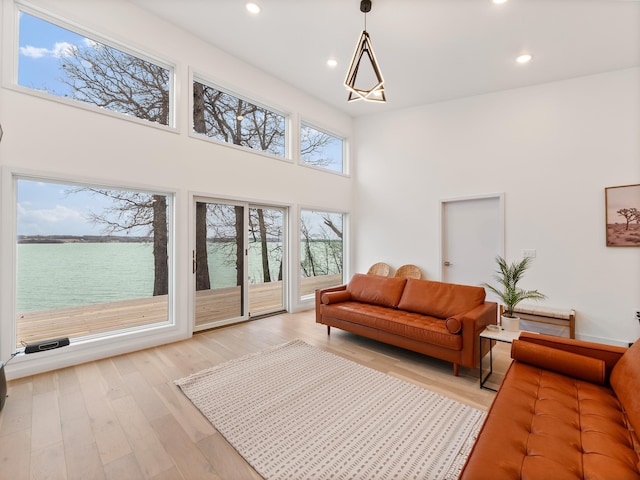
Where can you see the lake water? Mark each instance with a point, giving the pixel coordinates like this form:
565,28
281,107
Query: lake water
57,275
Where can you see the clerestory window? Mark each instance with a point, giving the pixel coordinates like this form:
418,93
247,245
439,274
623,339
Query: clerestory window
67,64
321,149
227,118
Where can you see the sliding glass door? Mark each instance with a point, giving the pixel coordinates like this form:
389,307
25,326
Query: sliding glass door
219,263
266,259
237,261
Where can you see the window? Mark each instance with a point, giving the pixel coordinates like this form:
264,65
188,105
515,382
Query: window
224,117
321,149
66,64
90,260
321,247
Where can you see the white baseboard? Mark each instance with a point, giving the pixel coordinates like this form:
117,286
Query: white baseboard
606,341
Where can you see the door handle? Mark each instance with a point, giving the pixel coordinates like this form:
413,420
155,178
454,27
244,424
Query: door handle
447,264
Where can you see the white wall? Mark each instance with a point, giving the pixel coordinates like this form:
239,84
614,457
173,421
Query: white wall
51,138
552,149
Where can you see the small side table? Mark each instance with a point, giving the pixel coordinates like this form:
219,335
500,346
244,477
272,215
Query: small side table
500,336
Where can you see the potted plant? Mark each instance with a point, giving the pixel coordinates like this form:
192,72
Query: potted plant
508,276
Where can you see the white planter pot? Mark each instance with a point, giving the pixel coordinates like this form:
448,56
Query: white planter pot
510,324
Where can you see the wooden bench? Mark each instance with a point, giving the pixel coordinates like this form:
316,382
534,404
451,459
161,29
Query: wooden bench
554,319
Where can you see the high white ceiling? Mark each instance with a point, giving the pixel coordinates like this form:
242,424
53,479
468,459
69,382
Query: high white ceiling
428,50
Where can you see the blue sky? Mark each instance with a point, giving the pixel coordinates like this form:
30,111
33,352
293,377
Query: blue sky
42,44
49,209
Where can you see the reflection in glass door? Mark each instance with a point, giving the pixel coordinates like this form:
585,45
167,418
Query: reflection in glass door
219,264
266,248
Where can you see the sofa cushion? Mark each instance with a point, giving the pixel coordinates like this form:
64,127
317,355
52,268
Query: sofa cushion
625,381
376,290
546,425
419,327
439,299
567,363
406,324
335,297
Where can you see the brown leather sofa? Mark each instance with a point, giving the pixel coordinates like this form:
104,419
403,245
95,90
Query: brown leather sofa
442,320
567,409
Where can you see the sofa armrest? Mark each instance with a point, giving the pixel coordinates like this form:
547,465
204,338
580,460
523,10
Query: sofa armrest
473,322
553,359
610,354
480,317
320,292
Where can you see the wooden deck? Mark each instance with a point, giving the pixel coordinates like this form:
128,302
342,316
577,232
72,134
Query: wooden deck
101,318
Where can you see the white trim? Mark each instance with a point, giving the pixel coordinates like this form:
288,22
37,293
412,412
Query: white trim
246,204
606,341
308,301
345,157
90,350
195,77
10,78
83,349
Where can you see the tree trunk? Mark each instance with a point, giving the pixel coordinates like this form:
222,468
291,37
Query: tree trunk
199,124
266,274
202,261
160,239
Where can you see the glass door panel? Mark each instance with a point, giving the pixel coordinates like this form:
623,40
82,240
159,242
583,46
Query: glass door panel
266,253
219,264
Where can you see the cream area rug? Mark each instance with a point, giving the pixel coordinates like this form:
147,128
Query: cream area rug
297,412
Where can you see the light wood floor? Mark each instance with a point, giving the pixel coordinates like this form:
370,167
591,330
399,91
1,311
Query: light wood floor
123,418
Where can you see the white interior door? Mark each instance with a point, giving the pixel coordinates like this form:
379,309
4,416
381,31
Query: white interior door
472,236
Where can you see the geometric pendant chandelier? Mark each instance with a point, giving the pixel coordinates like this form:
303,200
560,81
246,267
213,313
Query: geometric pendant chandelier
364,80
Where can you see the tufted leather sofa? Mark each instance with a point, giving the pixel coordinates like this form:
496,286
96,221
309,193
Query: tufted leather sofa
439,319
567,409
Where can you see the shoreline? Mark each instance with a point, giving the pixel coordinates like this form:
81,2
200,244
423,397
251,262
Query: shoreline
36,239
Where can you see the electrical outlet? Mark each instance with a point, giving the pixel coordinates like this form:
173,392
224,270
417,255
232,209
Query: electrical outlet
636,314
529,253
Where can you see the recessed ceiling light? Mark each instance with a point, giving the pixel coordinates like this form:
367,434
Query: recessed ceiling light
252,8
332,63
498,2
524,58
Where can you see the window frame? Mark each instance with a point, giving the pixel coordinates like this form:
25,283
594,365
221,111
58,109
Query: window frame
220,86
115,335
306,298
345,149
65,24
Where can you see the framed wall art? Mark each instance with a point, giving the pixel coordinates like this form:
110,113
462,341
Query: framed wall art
622,206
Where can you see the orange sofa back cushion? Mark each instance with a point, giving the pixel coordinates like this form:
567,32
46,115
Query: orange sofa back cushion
376,290
439,299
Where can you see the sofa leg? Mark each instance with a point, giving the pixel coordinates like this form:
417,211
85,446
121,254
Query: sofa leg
455,369
328,329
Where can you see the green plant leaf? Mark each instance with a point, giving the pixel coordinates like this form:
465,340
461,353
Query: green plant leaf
507,276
